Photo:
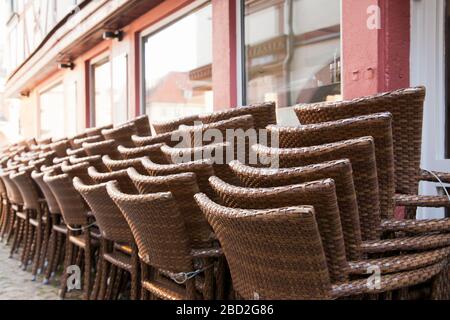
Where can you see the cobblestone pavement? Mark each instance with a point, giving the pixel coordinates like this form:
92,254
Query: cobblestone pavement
16,284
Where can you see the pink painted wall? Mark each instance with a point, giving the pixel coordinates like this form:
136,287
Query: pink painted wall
375,60
224,70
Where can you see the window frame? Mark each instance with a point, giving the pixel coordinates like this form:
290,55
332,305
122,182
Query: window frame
98,60
43,90
155,28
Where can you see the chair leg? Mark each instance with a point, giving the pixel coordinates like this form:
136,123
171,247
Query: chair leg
27,250
60,253
45,245
135,274
67,263
112,279
87,267
37,251
16,231
144,277
105,266
97,281
12,222
51,255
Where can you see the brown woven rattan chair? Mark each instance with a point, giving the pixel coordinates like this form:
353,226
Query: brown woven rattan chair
183,187
361,154
169,138
60,148
203,169
107,147
379,127
152,151
16,226
121,135
114,229
97,131
79,152
163,244
220,154
55,232
142,125
172,125
114,165
263,114
75,213
95,161
341,173
78,143
5,209
121,176
36,218
288,257
406,106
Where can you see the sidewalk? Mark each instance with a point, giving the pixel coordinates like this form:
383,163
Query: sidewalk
16,284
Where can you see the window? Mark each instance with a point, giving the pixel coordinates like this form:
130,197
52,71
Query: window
101,111
447,79
71,108
292,51
51,105
120,88
177,78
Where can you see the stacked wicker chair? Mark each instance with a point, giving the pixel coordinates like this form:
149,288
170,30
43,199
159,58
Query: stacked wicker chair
406,107
170,216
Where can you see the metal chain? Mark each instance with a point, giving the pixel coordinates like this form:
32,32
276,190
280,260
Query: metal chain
440,182
182,277
82,228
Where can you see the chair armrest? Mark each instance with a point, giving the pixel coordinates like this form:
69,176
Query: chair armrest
207,253
421,201
426,176
415,226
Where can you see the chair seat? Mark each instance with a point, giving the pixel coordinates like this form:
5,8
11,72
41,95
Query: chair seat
119,259
80,241
61,228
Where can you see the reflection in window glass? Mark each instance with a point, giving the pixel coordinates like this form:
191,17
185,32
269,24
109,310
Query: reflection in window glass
292,51
51,104
178,62
102,94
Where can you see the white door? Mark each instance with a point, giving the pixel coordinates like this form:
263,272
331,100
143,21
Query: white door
428,68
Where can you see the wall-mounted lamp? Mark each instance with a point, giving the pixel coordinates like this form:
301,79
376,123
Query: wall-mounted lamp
25,93
118,34
66,65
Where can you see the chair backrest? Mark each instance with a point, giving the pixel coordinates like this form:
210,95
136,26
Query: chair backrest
203,169
172,125
338,170
142,125
78,143
157,227
121,176
114,165
121,135
140,141
60,148
101,148
109,218
406,106
152,151
183,187
73,208
319,194
220,154
58,160
74,137
3,191
378,126
271,253
361,153
79,170
52,204
79,152
95,161
263,114
13,192
27,189
97,131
